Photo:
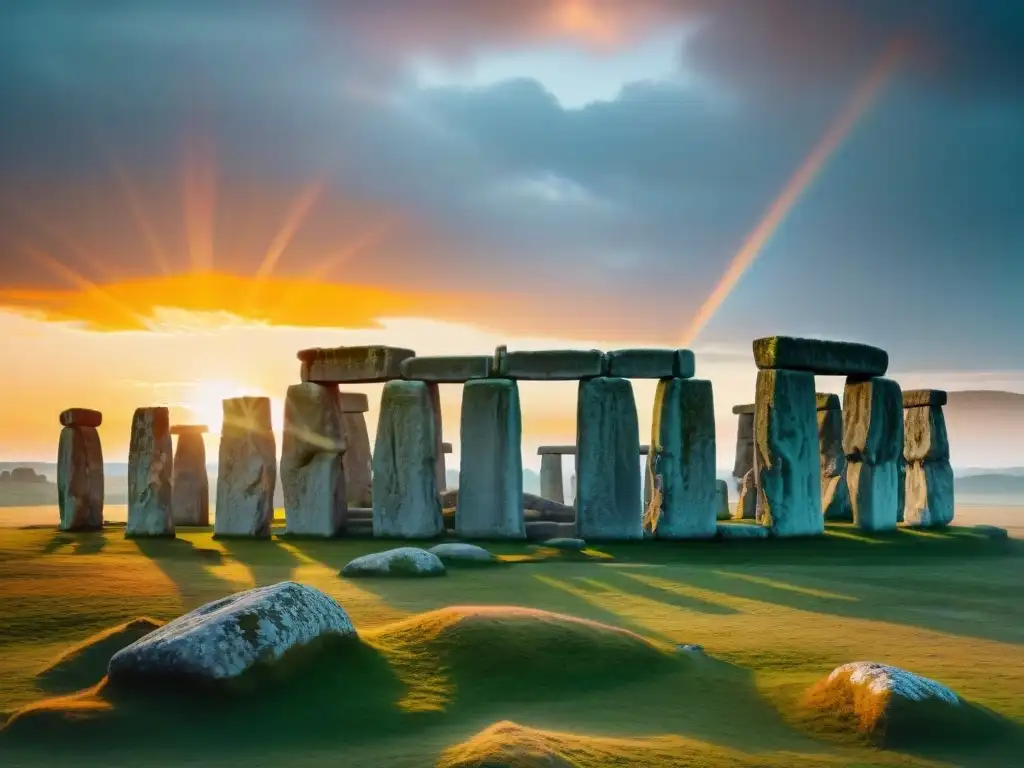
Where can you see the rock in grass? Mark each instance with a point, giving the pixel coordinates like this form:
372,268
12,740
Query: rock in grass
224,639
992,531
457,551
574,545
402,561
741,531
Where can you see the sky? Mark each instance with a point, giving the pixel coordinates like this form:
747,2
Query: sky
193,190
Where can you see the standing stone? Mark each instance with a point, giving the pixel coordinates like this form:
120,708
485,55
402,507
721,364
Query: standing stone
551,484
835,498
190,485
80,471
247,471
683,461
357,459
312,473
928,497
150,460
901,489
722,511
406,503
787,459
873,442
440,470
746,507
608,501
744,441
490,504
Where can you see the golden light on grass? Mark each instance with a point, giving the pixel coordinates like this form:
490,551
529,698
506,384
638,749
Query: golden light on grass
778,584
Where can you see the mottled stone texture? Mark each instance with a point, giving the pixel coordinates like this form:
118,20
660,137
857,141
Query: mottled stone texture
490,504
81,417
440,471
825,358
928,477
608,503
247,471
357,461
744,445
312,447
722,511
873,443
80,479
190,487
150,461
683,461
651,363
913,398
551,484
746,507
835,497
450,370
787,457
406,503
550,364
353,365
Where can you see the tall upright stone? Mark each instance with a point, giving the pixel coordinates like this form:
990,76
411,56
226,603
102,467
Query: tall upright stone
835,497
873,442
190,484
744,441
440,470
928,499
746,506
608,496
788,472
682,456
490,504
80,471
357,460
150,463
406,503
551,483
247,469
312,472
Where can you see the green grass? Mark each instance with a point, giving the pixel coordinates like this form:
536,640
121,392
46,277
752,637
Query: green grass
433,682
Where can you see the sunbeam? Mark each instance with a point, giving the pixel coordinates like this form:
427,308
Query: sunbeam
838,130
138,214
199,191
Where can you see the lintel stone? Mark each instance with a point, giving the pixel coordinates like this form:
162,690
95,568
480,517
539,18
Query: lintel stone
353,365
824,358
550,364
81,417
651,363
920,398
446,447
189,429
570,450
447,369
740,410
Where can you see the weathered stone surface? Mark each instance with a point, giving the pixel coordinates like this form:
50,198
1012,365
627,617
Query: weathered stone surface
608,504
150,461
353,365
312,475
189,429
547,509
835,497
491,471
354,402
874,495
247,469
929,494
828,401
924,434
825,358
722,511
459,551
571,545
872,420
440,470
551,364
744,445
683,461
190,485
570,450
80,479
81,417
651,363
739,410
405,494
224,639
542,530
447,370
446,448
552,485
788,472
917,398
741,531
746,507
883,679
403,561
357,460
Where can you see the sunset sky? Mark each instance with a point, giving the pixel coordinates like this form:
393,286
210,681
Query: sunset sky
193,190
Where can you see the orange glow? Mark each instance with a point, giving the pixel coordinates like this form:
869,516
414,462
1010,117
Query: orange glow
837,131
581,18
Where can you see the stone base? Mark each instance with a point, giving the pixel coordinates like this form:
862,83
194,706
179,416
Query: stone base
929,494
873,495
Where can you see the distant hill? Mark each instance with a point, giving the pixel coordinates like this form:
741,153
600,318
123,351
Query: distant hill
991,484
985,428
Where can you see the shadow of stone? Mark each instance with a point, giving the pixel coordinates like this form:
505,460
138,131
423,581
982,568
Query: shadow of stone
266,559
89,543
656,593
188,568
59,541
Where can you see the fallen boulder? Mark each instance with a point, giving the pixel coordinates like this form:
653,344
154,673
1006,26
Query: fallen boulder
461,552
401,561
573,545
741,531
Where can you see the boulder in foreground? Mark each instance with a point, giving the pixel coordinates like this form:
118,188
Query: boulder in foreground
401,561
222,640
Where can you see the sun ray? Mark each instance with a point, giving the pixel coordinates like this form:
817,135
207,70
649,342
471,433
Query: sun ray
138,214
837,131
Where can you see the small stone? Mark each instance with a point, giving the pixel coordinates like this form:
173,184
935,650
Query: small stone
447,370
462,552
150,461
722,511
403,561
917,398
551,364
81,417
571,544
741,531
690,648
739,410
446,447
824,358
991,531
354,402
353,365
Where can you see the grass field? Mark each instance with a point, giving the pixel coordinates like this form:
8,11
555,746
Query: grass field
429,687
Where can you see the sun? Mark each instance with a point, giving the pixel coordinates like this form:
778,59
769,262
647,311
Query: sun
203,400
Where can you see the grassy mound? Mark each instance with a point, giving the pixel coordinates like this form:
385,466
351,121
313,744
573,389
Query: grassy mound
85,665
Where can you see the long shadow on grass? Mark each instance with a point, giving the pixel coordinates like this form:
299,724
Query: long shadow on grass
266,559
189,568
